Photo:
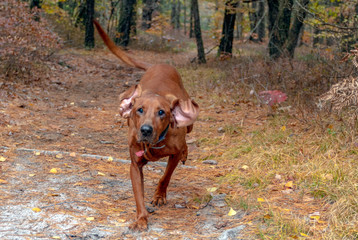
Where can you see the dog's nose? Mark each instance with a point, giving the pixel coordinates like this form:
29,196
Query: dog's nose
146,130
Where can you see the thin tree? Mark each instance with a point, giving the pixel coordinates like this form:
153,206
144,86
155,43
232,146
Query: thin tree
126,22
261,23
197,31
149,7
89,32
226,41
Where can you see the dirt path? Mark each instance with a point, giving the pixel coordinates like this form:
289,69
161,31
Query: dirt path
72,195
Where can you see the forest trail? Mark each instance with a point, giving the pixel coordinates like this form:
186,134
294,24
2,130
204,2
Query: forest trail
57,190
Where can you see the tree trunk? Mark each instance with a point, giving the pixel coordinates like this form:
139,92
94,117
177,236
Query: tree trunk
253,20
260,15
191,30
295,29
89,35
148,8
280,19
125,22
228,28
197,30
239,17
177,15
184,22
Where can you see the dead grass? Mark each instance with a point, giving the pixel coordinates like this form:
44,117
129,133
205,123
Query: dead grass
301,162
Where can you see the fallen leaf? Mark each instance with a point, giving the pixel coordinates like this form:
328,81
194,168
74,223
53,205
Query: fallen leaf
283,128
110,159
245,167
289,184
78,184
31,174
2,159
56,237
213,189
267,216
101,174
2,181
90,218
59,156
53,170
72,154
36,209
260,200
315,217
232,212
303,235
37,153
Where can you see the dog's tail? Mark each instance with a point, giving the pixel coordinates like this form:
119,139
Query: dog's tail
117,50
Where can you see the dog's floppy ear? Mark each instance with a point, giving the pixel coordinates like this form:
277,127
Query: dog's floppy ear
184,112
126,100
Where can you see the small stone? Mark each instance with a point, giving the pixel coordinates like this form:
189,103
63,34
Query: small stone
179,206
221,130
210,162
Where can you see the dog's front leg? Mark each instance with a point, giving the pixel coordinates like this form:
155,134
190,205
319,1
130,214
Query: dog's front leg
160,195
136,173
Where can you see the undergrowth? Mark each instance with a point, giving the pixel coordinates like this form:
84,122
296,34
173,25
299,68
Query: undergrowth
301,161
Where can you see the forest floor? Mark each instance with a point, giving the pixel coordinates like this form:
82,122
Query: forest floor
65,174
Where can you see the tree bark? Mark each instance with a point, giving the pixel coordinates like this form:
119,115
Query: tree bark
197,30
260,15
89,34
191,24
148,8
280,19
253,19
228,28
295,29
126,21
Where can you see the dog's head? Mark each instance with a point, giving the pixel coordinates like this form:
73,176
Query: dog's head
152,113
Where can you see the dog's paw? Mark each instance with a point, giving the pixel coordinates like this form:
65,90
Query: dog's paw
159,199
140,225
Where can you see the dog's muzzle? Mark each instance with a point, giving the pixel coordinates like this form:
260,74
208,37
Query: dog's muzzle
146,132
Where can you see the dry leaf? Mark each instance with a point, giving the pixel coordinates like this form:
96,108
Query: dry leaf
53,170
59,156
303,235
31,174
245,167
2,159
213,189
72,154
36,209
260,200
2,181
37,153
101,174
90,218
110,159
232,212
56,237
289,184
283,128
267,216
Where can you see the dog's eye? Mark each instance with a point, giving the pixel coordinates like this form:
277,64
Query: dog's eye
161,113
140,110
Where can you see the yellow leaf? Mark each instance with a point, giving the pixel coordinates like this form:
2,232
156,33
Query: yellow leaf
213,189
53,170
289,184
283,128
72,154
56,237
110,159
121,220
232,212
267,216
260,200
315,217
2,159
31,174
2,181
101,174
303,235
78,184
36,209
59,156
90,218
37,153
245,167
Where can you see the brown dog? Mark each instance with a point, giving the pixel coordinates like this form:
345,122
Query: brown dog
160,114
